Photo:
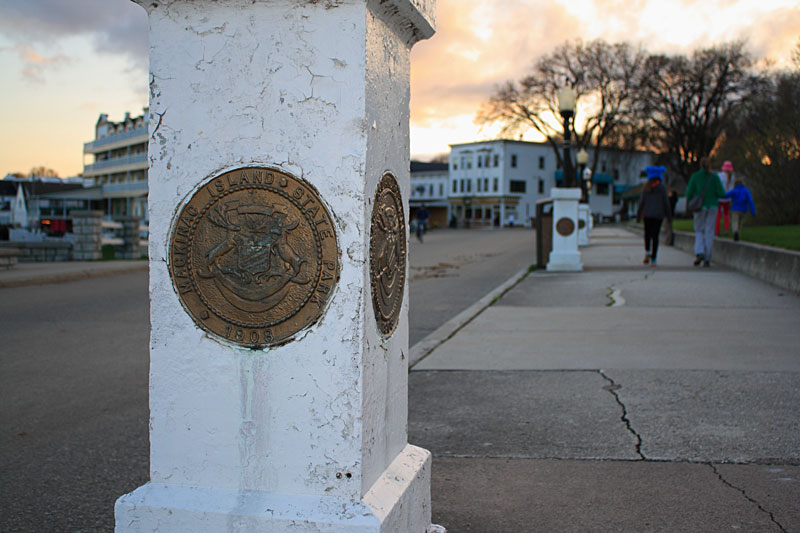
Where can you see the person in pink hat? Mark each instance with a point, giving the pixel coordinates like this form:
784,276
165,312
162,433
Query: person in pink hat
724,206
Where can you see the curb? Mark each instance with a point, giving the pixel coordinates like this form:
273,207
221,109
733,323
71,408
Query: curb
426,346
46,279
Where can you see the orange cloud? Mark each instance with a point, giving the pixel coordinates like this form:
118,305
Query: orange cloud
479,45
35,64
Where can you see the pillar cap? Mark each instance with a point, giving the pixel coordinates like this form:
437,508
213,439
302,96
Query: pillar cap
565,193
415,18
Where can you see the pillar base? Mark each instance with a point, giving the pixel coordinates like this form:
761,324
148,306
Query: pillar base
397,501
565,262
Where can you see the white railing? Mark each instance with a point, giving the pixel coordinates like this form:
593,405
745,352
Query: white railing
117,162
110,233
116,137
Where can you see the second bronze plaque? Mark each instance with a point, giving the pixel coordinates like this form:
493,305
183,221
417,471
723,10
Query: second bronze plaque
387,254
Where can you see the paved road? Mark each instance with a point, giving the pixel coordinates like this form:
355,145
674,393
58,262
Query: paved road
452,269
74,371
73,386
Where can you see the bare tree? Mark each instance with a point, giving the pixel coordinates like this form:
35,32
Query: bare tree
686,102
42,172
604,76
764,144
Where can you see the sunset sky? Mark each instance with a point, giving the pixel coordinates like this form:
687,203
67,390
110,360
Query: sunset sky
65,61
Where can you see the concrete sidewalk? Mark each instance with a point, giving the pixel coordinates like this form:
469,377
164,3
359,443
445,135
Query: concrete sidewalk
57,272
621,398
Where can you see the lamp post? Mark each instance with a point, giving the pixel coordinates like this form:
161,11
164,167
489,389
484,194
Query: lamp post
566,106
582,158
565,257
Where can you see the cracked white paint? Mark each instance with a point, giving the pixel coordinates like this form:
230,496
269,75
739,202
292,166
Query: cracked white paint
298,435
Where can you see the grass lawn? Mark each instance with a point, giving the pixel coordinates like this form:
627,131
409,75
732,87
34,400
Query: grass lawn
781,236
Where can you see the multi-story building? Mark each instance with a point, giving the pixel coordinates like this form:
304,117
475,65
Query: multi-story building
120,164
498,182
429,189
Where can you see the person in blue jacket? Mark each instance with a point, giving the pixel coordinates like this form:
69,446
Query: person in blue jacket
741,202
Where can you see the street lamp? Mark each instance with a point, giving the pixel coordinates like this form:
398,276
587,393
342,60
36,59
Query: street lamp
566,106
582,159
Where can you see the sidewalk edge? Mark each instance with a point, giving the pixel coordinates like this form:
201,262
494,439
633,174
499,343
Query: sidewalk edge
426,346
71,276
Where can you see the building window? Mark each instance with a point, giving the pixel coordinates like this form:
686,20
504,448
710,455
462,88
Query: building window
480,162
478,213
541,186
516,186
479,185
513,160
455,164
496,159
486,160
603,167
469,185
455,186
469,162
486,184
441,189
601,189
462,185
494,187
541,161
430,190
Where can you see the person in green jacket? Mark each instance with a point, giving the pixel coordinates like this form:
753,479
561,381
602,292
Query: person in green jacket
705,183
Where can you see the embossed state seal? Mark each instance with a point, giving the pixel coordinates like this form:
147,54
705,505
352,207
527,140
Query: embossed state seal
387,254
254,256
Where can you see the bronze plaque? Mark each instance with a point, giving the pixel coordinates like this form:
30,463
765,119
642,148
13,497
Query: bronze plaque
387,254
565,226
253,256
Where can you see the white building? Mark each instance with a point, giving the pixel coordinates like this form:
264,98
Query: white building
120,164
499,182
429,188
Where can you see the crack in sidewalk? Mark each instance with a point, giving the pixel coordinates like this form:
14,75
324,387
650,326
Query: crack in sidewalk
612,387
747,497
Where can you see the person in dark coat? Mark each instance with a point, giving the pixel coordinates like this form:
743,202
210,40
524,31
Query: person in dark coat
653,208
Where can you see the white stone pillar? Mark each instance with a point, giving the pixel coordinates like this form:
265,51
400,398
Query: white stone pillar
273,125
583,224
565,256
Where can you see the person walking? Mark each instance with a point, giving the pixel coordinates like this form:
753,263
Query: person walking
741,201
653,208
707,186
422,216
724,207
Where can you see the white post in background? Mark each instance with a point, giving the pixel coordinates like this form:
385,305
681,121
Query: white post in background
279,181
565,256
584,216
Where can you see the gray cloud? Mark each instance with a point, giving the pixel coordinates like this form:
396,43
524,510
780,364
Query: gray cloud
116,26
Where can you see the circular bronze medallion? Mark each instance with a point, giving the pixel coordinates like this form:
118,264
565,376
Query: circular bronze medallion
565,226
253,256
387,254
581,223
